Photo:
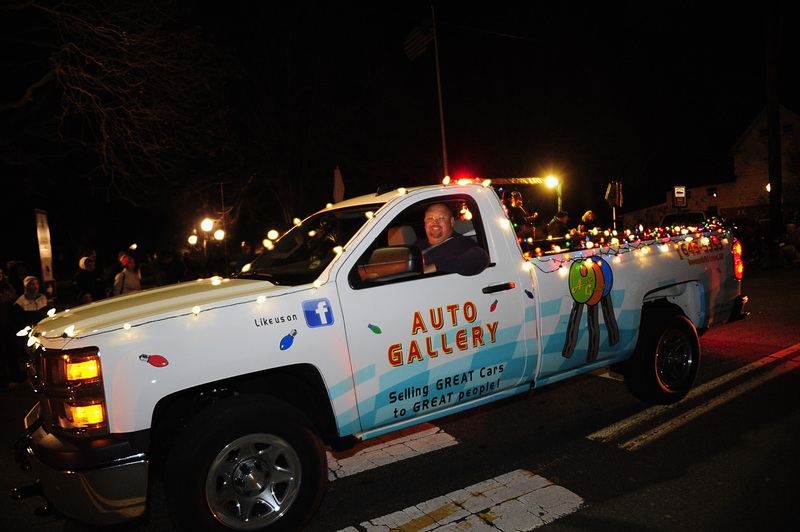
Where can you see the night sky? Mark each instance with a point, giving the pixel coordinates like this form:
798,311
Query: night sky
651,94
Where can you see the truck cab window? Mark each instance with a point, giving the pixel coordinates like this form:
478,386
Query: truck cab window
443,235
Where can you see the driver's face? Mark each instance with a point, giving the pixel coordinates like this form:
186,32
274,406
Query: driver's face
438,223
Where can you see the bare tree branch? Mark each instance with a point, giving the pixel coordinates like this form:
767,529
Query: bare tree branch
138,91
28,96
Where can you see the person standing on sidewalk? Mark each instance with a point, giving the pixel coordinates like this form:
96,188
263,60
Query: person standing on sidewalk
127,280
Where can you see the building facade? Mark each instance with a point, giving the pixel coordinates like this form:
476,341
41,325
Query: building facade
746,195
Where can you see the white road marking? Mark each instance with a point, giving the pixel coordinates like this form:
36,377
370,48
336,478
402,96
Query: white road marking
686,417
781,358
606,373
514,502
387,449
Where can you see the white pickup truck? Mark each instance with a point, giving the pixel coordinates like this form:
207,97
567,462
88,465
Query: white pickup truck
230,389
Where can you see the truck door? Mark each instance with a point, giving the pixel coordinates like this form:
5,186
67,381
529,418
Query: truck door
429,345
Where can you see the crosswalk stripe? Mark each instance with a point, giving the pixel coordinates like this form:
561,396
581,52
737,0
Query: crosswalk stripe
394,447
518,501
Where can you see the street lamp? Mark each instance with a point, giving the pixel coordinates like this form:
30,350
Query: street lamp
555,182
206,225
209,231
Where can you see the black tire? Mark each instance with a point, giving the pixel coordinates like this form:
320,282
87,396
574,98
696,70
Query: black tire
246,463
664,365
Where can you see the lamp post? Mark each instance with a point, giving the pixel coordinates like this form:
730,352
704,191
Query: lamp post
555,182
207,225
208,232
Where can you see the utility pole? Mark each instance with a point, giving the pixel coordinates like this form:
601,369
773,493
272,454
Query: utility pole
439,85
774,124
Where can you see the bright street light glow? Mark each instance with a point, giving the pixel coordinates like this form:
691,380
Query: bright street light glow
207,224
551,182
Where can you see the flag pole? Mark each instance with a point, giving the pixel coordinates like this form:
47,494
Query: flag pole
439,86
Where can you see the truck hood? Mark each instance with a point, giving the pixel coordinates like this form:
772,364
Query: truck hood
172,300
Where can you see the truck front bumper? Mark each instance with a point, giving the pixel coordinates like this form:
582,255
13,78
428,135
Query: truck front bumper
108,492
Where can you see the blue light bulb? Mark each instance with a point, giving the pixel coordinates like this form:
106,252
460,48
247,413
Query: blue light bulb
288,340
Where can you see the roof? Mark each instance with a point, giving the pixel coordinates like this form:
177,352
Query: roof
760,122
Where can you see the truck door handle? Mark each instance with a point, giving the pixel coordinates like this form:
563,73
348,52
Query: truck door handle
499,288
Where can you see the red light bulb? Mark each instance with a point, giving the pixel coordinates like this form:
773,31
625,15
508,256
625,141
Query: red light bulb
154,360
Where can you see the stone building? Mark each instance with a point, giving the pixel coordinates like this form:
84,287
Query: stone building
746,195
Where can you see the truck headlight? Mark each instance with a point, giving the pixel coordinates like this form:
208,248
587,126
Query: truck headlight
77,416
70,368
83,369
70,382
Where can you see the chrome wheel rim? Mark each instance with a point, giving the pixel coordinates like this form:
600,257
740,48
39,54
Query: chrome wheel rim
253,481
674,359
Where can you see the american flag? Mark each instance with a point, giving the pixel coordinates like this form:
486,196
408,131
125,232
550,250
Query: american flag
418,40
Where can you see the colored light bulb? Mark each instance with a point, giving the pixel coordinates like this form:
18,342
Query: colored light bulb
288,340
156,361
374,328
494,306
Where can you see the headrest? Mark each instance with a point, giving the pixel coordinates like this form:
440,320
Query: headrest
402,235
464,227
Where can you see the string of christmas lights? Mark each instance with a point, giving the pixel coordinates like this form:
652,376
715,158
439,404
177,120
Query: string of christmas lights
562,252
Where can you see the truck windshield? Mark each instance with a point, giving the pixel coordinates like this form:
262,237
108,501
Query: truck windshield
301,254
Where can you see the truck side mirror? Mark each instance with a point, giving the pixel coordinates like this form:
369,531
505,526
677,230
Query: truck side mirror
390,263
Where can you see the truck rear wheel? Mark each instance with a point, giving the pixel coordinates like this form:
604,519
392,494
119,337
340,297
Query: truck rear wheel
246,463
664,365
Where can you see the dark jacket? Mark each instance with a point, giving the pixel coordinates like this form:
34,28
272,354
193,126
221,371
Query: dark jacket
87,281
556,228
458,254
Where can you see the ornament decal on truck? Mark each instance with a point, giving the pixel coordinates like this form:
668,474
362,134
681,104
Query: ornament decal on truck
590,282
288,340
157,361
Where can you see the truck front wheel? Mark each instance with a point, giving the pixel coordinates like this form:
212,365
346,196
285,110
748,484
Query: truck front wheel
665,362
246,463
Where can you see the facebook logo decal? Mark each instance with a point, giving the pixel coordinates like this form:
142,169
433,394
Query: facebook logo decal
318,312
